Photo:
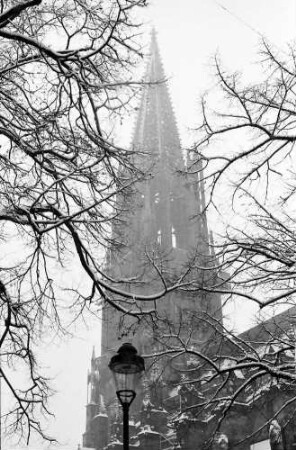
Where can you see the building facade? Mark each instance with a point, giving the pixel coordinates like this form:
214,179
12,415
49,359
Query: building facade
163,224
160,237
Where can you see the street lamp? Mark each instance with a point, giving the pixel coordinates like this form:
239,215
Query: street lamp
126,367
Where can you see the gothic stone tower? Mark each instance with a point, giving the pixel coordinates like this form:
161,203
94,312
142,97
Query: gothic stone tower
163,222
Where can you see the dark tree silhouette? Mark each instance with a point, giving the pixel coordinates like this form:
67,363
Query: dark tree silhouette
64,77
246,149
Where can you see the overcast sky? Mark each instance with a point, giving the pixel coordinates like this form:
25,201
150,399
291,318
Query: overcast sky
190,33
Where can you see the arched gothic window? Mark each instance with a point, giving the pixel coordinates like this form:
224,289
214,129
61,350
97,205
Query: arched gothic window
174,238
159,237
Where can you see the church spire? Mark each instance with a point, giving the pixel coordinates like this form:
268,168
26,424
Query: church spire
155,73
160,221
156,128
169,206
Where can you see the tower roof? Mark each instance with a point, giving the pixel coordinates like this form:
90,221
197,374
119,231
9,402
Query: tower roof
155,71
156,129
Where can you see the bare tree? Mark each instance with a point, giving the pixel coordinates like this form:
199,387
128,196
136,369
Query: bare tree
255,152
246,149
65,81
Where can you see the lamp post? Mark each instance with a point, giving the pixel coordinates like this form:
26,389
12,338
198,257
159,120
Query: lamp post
126,367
